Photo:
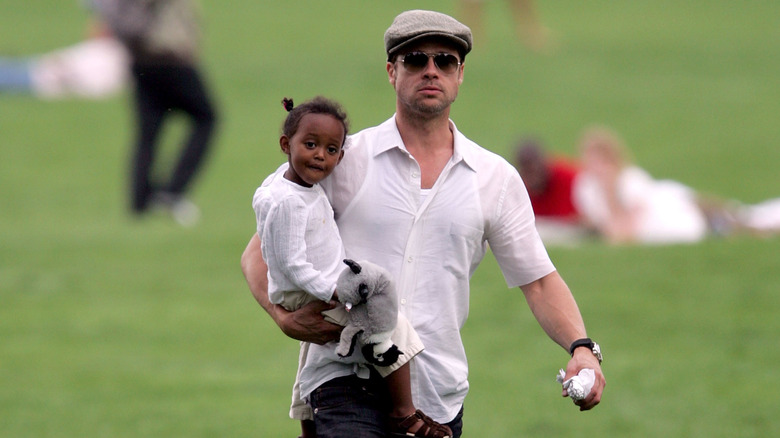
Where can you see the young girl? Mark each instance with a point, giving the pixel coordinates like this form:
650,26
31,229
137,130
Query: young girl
303,250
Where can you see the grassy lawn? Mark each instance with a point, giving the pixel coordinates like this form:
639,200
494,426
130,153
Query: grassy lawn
114,327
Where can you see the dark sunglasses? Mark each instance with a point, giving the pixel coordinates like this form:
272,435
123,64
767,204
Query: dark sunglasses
416,61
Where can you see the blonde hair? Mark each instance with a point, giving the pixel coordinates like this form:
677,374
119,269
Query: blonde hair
607,143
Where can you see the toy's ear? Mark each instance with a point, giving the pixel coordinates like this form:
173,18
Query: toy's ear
353,265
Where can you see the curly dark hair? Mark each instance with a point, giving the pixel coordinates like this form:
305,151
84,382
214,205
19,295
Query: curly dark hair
317,105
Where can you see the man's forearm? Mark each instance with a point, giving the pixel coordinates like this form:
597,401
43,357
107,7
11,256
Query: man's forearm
554,307
305,324
256,274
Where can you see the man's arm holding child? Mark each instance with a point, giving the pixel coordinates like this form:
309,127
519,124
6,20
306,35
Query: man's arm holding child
305,324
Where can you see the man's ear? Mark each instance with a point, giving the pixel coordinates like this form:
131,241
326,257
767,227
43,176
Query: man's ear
284,142
391,73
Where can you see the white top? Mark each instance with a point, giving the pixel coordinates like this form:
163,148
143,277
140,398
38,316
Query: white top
95,68
300,240
665,210
431,248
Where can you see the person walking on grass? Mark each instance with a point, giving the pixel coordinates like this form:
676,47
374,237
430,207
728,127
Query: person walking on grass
162,39
303,251
417,197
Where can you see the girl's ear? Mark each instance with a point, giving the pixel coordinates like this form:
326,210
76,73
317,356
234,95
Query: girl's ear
340,156
284,142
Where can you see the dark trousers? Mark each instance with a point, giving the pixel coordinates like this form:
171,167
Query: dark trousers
357,408
160,90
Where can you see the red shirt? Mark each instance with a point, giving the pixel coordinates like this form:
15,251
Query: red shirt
555,202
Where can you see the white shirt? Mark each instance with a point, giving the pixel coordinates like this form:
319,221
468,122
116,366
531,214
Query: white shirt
665,211
95,68
300,241
431,247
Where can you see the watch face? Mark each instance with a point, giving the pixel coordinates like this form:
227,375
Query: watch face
597,351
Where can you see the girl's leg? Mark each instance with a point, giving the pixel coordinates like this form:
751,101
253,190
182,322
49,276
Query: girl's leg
404,416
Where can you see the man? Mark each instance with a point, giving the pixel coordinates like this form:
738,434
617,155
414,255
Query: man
162,38
549,181
550,184
417,197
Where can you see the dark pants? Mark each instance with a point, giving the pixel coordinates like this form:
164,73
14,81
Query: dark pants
159,90
357,408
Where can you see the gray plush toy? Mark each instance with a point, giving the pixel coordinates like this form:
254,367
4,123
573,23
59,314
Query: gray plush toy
368,293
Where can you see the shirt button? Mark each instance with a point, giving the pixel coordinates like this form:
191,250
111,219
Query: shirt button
403,300
415,174
410,259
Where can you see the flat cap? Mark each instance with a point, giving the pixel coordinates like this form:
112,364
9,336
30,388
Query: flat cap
410,26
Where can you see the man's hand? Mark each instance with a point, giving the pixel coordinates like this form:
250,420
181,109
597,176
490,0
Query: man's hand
554,307
584,358
307,323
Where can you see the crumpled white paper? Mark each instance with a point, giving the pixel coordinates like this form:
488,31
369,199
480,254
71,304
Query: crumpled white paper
578,386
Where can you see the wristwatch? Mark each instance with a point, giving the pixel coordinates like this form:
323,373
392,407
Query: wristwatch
586,342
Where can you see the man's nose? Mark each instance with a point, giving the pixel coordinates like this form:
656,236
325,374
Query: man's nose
430,68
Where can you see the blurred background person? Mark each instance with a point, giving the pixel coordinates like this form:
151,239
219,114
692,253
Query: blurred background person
623,203
162,37
549,180
526,23
93,69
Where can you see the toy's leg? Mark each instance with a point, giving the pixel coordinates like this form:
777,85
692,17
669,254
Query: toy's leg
348,340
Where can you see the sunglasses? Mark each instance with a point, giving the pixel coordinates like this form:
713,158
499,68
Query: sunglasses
416,61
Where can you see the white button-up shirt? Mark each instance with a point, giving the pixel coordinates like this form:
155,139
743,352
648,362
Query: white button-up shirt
431,243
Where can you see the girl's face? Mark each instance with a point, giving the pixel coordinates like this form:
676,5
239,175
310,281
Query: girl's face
314,150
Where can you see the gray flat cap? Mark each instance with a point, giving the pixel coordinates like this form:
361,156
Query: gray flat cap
413,25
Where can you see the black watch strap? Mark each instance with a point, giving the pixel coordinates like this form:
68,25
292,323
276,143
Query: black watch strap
584,342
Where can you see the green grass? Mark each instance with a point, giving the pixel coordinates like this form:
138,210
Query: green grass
121,328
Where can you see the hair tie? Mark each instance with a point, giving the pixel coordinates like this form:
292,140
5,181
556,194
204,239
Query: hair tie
287,103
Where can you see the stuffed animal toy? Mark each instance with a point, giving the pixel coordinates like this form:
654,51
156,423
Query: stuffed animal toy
368,293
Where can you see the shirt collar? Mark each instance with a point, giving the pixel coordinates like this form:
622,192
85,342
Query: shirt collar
391,139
